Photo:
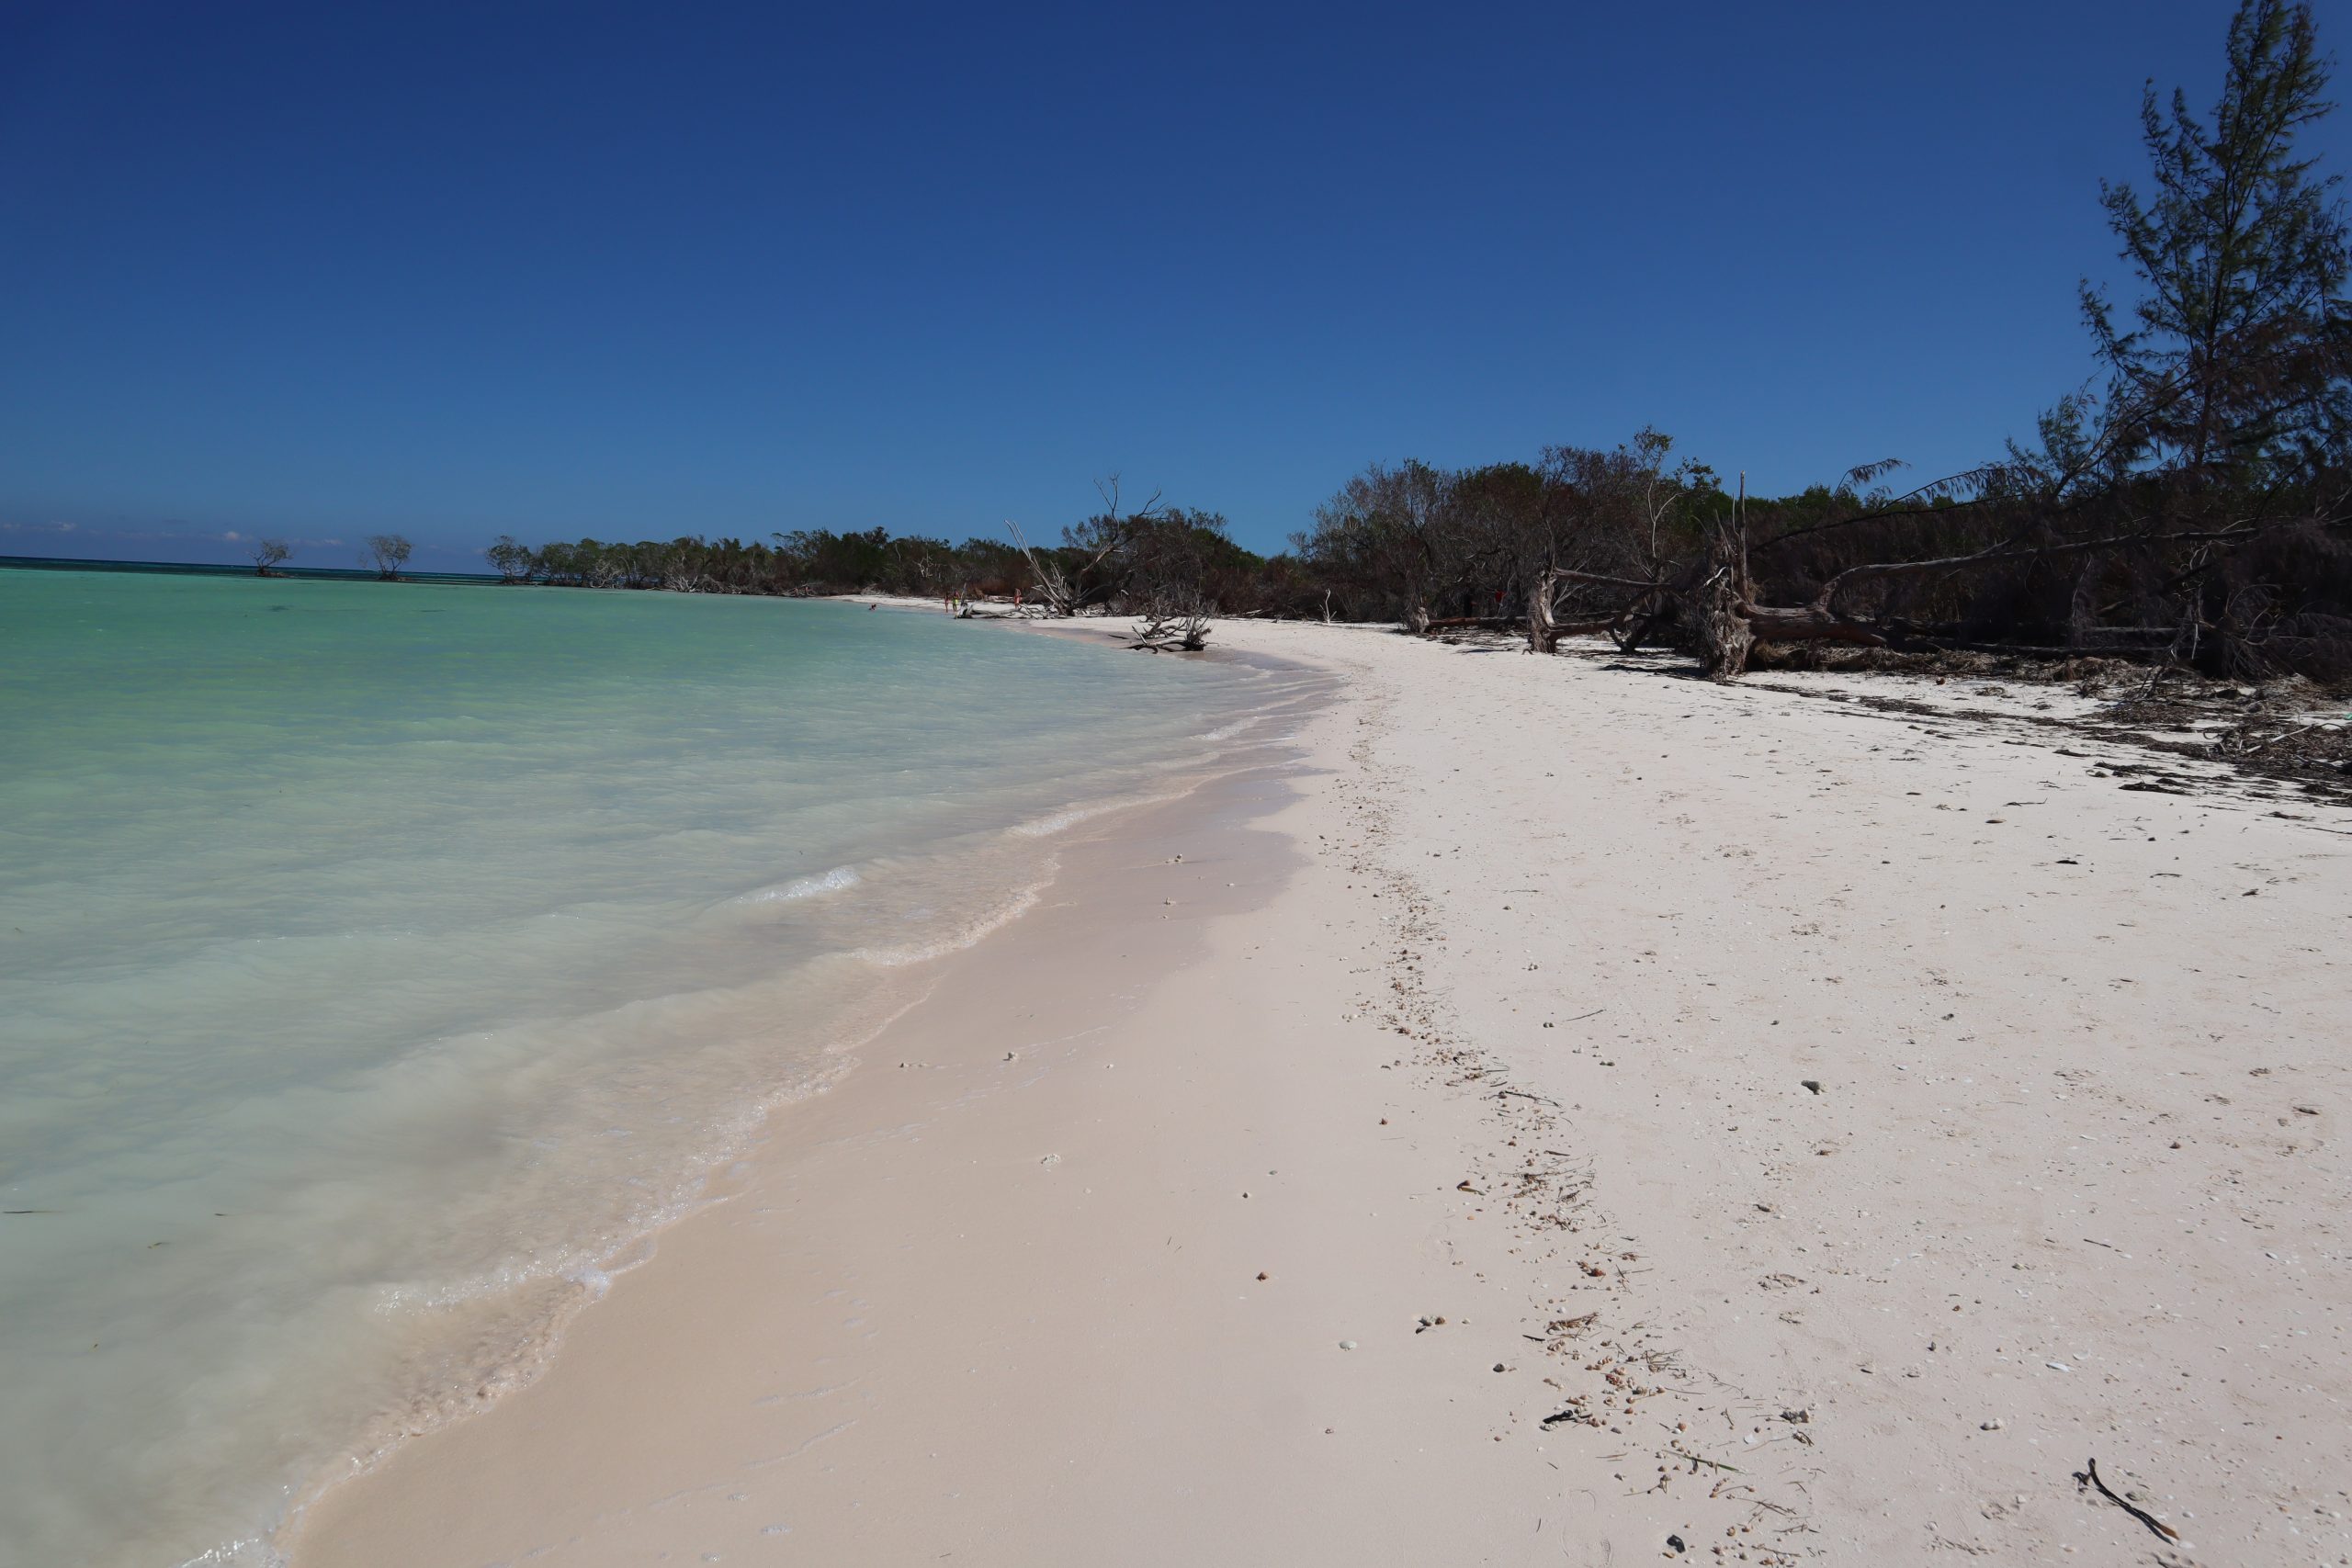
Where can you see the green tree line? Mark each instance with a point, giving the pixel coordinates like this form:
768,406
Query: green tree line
2191,506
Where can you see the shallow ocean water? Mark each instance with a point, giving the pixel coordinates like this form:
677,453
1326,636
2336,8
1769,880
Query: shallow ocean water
376,960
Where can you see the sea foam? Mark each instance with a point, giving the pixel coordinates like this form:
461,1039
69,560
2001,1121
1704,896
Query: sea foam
838,880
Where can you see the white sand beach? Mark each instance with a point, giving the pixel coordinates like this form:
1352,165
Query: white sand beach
1577,1113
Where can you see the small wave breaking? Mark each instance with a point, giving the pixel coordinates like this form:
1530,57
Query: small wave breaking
838,880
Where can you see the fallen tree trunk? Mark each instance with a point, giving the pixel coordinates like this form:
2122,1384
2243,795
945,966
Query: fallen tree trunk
2024,649
1544,628
1171,629
1770,624
1899,627
1734,623
1730,623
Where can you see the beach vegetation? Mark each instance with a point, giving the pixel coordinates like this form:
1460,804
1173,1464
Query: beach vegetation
512,559
387,553
268,553
2229,366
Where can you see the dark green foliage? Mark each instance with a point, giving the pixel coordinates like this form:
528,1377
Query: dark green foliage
2234,360
1469,542
802,562
514,562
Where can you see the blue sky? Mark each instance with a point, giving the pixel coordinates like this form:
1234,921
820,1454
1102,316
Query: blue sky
576,269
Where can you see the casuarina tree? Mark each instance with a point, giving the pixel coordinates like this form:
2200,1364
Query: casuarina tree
2232,362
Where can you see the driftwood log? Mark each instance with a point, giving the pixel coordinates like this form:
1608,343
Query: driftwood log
1472,623
1810,623
1173,624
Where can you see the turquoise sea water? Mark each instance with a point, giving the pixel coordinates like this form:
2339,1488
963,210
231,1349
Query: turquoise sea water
376,960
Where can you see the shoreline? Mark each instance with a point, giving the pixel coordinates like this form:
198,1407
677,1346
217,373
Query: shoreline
743,989
1245,748
1685,1293
1014,1029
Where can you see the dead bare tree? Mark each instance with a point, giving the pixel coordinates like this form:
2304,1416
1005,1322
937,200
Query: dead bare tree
1079,575
1053,588
1726,595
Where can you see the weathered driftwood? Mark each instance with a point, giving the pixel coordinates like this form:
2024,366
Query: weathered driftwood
1474,623
1723,605
1544,627
1172,623
1052,586
1182,636
1768,624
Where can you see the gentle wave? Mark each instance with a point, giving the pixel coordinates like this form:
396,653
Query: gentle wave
840,879
1071,817
902,955
1229,731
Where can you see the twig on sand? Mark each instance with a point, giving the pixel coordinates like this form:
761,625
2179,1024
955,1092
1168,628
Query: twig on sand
2284,735
1582,1016
2138,1513
1696,1461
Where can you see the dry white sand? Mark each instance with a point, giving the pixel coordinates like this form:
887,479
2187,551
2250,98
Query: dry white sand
1501,1011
